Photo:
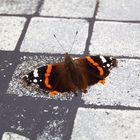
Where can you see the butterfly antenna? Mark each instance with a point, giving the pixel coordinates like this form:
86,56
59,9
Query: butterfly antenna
59,43
73,41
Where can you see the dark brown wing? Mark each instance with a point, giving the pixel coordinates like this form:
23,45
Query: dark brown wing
96,68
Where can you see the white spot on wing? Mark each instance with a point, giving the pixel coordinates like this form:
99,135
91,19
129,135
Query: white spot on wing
35,73
108,65
110,58
35,80
103,59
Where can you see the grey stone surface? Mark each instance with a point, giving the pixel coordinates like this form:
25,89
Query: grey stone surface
39,37
122,86
118,39
105,124
18,6
69,8
10,31
13,136
119,10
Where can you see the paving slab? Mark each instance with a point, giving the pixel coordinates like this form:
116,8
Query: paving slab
10,31
122,86
13,136
39,37
115,38
105,124
18,6
68,8
119,10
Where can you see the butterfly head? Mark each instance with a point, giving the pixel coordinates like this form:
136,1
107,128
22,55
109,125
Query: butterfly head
68,61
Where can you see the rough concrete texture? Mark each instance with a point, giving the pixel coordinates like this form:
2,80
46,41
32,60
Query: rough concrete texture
119,10
115,38
69,8
18,6
40,35
13,136
10,30
105,124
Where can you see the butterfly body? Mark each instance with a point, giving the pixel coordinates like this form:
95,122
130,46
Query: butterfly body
72,75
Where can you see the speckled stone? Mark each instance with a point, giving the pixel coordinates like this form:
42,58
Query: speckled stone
10,31
18,6
114,38
119,10
40,36
105,124
13,136
69,8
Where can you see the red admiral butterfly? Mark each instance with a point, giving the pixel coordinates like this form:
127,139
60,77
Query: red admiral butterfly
72,75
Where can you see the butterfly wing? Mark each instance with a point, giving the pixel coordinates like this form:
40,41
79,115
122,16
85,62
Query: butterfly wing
52,77
96,68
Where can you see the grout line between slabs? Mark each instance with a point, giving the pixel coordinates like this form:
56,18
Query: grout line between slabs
61,55
73,113
36,14
90,29
112,107
38,9
128,57
21,38
123,21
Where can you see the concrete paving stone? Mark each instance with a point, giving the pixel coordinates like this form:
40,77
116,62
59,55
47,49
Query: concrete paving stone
122,86
119,10
13,136
118,39
39,37
10,30
69,8
105,124
18,6
16,85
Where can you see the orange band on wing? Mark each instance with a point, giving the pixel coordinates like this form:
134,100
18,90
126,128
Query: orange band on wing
47,74
96,65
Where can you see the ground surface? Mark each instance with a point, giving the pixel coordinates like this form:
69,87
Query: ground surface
108,112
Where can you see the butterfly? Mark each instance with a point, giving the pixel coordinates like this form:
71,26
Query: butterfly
72,75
